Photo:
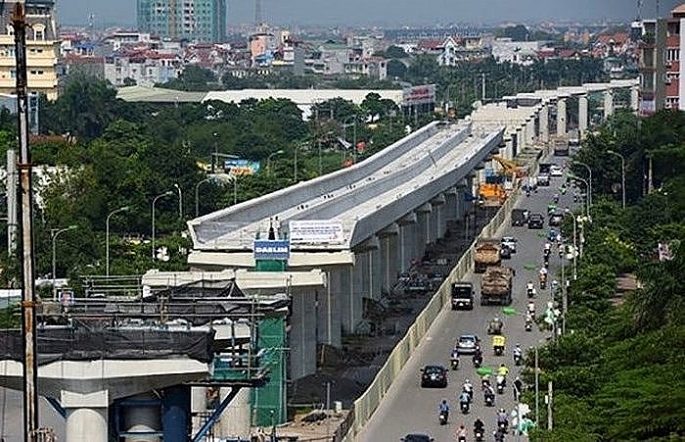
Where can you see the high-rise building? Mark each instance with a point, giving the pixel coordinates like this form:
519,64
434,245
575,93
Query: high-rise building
193,20
661,69
42,49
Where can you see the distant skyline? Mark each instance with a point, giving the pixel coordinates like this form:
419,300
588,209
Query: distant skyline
384,12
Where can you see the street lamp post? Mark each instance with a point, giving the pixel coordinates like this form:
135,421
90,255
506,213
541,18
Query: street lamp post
587,189
623,174
354,134
154,201
180,200
216,152
120,209
537,388
197,195
589,173
54,233
268,161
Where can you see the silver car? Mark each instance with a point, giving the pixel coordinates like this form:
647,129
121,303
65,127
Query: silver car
466,345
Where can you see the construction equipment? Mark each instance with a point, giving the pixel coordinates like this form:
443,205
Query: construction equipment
510,168
492,194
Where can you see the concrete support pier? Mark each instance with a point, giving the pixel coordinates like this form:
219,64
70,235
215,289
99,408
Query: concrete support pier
561,117
87,416
582,114
608,103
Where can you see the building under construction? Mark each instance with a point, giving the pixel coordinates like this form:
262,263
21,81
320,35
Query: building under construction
192,20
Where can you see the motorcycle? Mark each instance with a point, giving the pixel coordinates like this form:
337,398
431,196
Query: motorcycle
478,435
461,439
517,359
443,418
530,293
543,282
499,436
477,361
489,399
499,350
501,383
468,390
531,308
454,362
464,406
529,326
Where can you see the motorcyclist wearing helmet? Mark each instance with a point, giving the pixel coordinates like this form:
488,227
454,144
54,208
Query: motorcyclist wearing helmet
502,418
461,433
502,370
464,398
444,408
517,351
485,381
478,426
518,388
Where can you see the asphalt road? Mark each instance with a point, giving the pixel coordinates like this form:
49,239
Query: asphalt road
408,408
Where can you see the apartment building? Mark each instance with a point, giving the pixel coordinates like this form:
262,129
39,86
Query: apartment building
659,63
192,20
42,50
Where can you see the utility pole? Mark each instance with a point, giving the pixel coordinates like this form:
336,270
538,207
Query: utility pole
482,87
28,305
550,420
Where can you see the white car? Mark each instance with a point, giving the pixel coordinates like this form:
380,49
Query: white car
556,171
510,243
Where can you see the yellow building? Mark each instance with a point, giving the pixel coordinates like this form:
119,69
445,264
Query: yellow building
42,49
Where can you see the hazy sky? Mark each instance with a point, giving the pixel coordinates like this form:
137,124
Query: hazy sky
384,12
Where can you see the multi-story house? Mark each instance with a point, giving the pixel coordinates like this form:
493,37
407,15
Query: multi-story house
145,68
659,63
42,50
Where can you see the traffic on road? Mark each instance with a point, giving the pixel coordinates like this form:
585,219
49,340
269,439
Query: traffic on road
481,348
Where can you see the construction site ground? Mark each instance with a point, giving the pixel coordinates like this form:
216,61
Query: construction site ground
347,371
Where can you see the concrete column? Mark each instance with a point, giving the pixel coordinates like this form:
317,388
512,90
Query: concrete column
375,277
347,282
517,147
608,103
87,416
388,240
544,123
530,132
524,137
635,99
582,114
405,241
198,404
303,333
439,223
235,421
424,213
561,117
328,311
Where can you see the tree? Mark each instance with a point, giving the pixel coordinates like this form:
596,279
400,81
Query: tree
83,110
395,52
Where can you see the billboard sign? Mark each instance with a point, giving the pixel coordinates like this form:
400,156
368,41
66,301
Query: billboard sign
238,167
271,249
417,95
316,232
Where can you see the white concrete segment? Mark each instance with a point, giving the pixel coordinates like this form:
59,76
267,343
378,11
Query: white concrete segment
120,378
381,189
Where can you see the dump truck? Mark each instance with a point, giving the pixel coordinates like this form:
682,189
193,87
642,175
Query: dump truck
487,254
496,286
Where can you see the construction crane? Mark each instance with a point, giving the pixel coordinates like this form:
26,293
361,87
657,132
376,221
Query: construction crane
639,9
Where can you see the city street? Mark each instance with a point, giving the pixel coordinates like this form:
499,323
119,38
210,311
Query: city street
408,408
